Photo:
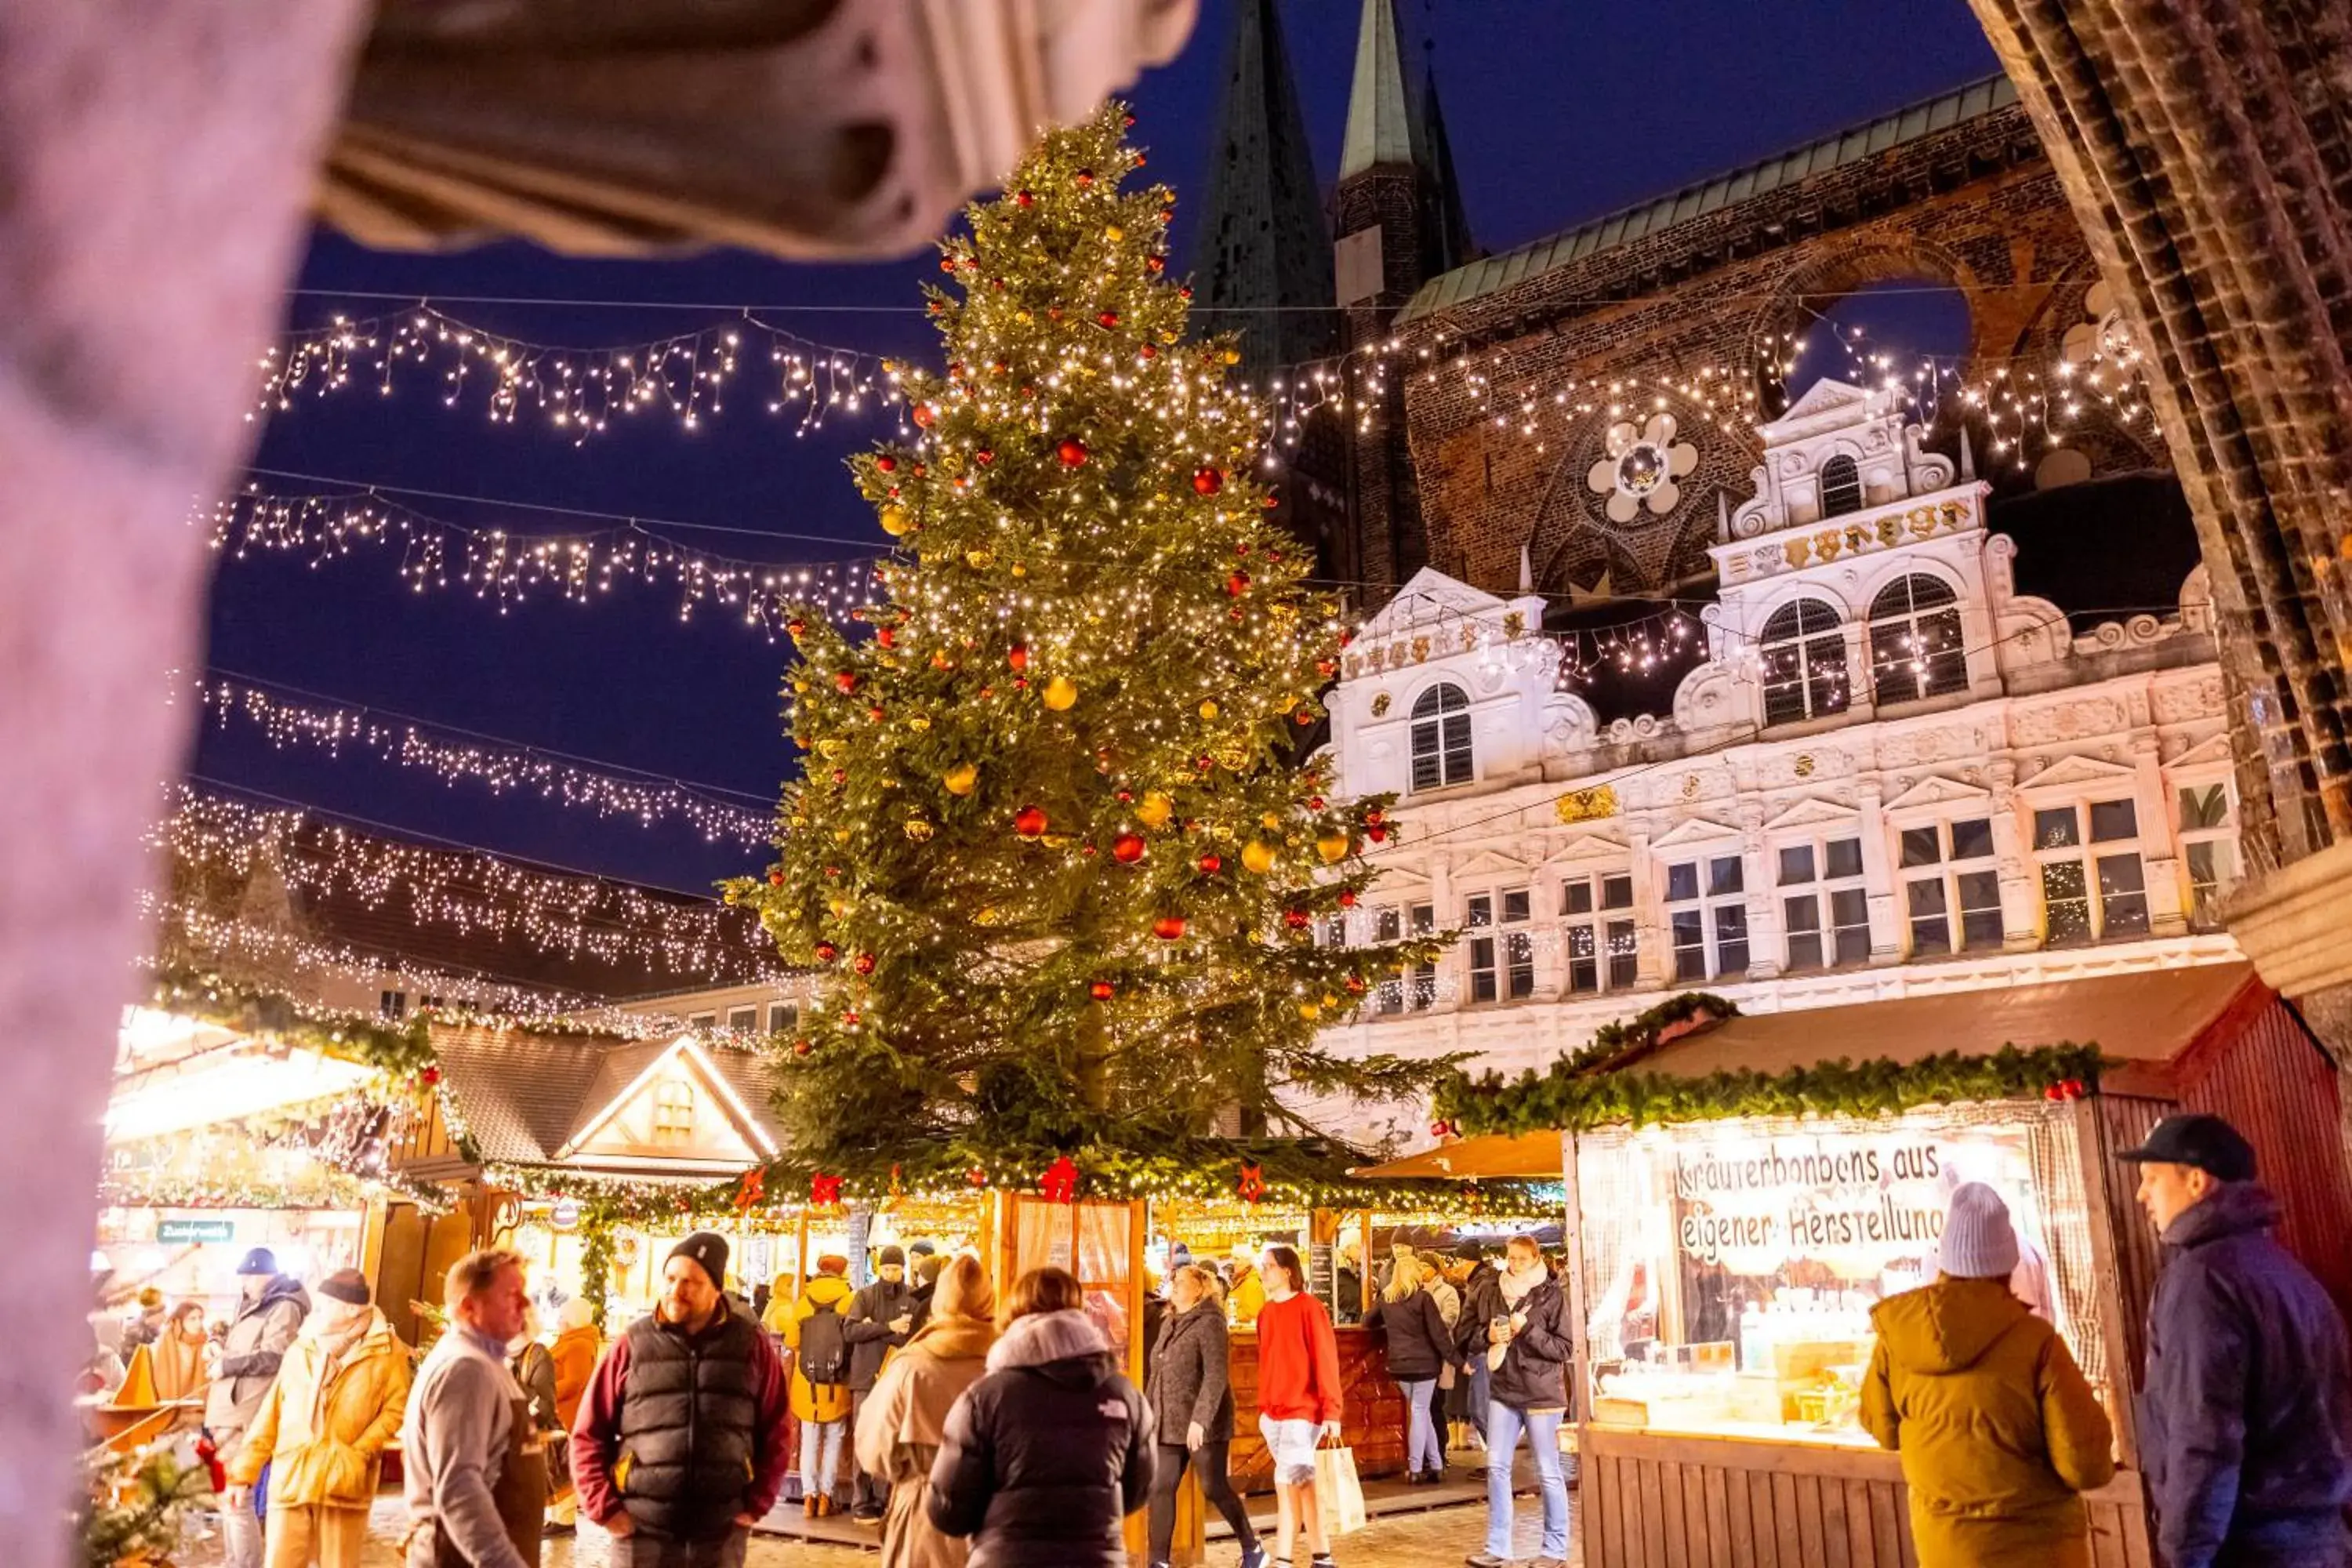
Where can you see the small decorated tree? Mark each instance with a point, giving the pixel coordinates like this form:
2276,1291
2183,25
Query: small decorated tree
1052,846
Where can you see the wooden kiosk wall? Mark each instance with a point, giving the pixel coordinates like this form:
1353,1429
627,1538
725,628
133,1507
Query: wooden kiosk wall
1651,1499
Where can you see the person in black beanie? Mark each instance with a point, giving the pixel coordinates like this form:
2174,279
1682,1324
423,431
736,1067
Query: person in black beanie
681,1439
880,1319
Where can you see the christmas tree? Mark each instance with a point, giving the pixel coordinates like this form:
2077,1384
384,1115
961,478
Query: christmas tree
1052,843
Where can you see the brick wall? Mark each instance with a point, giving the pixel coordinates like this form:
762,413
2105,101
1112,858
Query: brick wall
1975,206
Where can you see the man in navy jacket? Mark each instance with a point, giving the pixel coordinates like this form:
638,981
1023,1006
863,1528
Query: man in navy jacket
2244,1415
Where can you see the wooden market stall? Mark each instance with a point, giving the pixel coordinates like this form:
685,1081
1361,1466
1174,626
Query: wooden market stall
1790,1171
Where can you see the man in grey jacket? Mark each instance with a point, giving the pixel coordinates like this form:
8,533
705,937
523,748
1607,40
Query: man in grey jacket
267,1319
460,1420
878,1320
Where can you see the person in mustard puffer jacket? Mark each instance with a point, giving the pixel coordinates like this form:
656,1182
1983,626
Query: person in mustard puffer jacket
821,1408
1999,1430
336,1401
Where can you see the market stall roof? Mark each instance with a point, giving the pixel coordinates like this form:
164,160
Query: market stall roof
1525,1156
528,1098
173,1073
2148,1017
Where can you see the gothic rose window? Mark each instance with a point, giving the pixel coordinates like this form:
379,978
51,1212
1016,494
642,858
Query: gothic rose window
1641,468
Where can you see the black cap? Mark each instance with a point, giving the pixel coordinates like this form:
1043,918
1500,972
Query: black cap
260,1260
890,1255
709,1249
2206,1142
346,1285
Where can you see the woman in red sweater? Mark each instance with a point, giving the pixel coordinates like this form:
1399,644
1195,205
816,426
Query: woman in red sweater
1298,1399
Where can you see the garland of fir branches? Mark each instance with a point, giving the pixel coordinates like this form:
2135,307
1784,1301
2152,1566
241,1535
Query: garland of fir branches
1571,1098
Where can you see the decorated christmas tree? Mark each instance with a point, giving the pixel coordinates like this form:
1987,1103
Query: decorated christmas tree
1053,843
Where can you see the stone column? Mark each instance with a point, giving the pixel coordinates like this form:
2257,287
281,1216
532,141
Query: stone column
1768,942
2159,849
157,164
1454,965
2020,893
1654,962
1878,877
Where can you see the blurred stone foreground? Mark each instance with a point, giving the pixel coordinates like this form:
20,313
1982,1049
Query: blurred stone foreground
158,166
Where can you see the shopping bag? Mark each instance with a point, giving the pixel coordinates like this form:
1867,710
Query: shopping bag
1337,1491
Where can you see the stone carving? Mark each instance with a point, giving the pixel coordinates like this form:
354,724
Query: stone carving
2178,702
1568,725
1707,699
2066,720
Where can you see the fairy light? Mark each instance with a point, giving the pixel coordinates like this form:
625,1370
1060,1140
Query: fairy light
502,767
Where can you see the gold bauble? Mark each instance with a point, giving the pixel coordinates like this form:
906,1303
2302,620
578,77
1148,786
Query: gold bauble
978,559
840,835
1257,855
1333,848
1232,356
1309,1011
895,522
1114,234
1223,833
1270,821
1061,694
918,723
961,779
830,748
1209,711
1154,810
918,829
800,688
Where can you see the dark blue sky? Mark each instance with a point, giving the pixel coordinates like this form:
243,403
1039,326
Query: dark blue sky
1558,110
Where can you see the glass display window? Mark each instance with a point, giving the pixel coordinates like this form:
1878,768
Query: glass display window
1730,1267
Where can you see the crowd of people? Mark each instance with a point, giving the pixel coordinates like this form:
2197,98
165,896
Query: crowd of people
978,1426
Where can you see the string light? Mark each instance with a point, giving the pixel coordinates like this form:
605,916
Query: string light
509,568
503,766
472,893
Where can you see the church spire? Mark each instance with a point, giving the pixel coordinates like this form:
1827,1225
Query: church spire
1384,122
1453,225
1262,257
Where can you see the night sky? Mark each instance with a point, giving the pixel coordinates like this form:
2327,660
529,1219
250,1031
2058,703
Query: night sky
1557,111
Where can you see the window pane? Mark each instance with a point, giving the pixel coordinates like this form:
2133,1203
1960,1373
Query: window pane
2205,807
1386,926
2065,902
2055,829
1800,914
1972,839
1731,939
782,1015
1682,881
1616,892
1980,911
1583,967
1624,954
1796,864
1482,910
1804,952
1930,937
1391,996
1849,915
1577,899
1690,945
1514,905
1425,919
1845,857
2112,820
2202,874
1482,985
1925,897
1482,969
745,1019
1723,875
1919,847
1482,952
1520,950
2123,899
1424,765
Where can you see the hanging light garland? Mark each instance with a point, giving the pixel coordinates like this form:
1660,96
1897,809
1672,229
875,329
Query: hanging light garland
502,766
570,916
509,568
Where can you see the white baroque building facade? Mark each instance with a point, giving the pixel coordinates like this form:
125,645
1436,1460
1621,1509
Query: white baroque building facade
1891,774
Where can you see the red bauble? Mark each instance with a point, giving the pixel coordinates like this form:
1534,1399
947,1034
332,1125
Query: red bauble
840,775
1314,802
886,637
1024,198
976,1176
1083,178
886,463
925,414
428,1074
775,878
983,456
1327,668
795,627
1373,818
918,471
1207,481
863,963
1102,990
1017,656
827,953
1346,898
1377,835
1126,797
1169,928
1237,584
802,1047
874,713
1127,849
1149,352
1072,451
1154,264
1184,290
1029,822
1303,717
1270,502
1355,986
1109,317
1296,920
1210,865
846,680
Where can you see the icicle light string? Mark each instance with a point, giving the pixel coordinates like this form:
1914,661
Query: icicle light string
510,569
469,891
502,765
579,391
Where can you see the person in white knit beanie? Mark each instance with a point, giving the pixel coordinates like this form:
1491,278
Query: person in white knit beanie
1998,1431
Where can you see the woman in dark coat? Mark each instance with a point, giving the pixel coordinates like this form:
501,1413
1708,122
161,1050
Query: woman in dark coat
1192,1400
1419,1343
1046,1455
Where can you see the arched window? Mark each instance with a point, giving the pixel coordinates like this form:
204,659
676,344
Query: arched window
1804,647
1841,486
1441,738
1915,646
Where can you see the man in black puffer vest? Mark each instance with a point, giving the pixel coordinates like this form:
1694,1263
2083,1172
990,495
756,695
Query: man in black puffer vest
680,1443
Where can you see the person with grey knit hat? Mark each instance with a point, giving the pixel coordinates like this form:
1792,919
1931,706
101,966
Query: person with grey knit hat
1999,1430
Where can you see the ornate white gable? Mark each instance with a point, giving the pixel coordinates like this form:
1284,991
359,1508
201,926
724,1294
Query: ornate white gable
2078,773
1936,790
1694,830
1812,812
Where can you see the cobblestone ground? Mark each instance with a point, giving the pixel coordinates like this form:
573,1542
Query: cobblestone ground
1439,1537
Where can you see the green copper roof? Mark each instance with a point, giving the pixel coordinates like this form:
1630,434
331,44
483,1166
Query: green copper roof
1382,127
1496,273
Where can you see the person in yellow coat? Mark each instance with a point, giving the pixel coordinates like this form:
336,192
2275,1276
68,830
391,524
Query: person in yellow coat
812,1326
336,1401
1244,1292
1999,1430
